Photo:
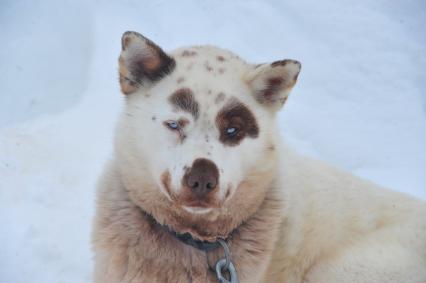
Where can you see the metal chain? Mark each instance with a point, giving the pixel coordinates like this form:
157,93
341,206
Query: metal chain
226,265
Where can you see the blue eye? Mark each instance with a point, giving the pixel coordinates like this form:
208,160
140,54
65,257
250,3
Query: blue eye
231,131
173,125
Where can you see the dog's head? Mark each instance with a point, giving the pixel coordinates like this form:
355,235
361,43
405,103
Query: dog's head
198,137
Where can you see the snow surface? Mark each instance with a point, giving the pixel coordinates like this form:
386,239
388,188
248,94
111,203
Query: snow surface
360,102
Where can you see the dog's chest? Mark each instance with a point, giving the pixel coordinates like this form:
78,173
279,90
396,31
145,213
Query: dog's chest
158,267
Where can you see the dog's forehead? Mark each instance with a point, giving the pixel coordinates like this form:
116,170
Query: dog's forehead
210,74
209,59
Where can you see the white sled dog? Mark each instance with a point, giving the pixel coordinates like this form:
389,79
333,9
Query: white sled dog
201,186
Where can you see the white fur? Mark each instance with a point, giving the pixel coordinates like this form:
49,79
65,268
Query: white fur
344,229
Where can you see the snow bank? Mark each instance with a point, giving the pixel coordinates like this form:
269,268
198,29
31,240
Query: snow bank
360,102
45,52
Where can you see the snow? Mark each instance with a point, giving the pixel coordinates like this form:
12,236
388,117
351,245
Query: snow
360,102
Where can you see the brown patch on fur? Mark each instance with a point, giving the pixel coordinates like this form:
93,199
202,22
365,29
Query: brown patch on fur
273,86
236,115
183,122
271,147
221,70
220,58
270,93
180,80
208,66
184,100
188,53
219,98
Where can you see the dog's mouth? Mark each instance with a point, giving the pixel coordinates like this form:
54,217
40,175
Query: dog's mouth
198,206
197,209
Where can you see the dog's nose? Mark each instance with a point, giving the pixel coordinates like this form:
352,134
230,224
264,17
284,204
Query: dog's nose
202,178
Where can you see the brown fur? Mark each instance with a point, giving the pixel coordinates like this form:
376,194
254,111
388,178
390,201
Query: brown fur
184,100
136,249
188,53
208,67
239,116
219,98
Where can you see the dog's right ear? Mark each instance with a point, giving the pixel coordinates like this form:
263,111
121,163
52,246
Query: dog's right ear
141,62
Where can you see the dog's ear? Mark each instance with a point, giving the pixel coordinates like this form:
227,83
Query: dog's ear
141,62
272,83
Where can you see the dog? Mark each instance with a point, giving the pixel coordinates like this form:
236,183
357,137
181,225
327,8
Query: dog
199,167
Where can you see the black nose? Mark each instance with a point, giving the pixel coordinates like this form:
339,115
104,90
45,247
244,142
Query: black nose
202,178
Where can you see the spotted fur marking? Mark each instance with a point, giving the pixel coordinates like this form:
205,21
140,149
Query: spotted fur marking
208,66
189,53
236,115
219,98
183,99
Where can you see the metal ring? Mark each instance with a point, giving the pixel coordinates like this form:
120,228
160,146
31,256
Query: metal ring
220,265
227,253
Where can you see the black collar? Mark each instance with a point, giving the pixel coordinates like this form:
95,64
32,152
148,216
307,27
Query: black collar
185,238
198,244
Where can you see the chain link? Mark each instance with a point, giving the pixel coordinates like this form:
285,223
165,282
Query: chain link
226,265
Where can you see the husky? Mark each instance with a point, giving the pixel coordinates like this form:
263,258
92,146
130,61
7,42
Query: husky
201,187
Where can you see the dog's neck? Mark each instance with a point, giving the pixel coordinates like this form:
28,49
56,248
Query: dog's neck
253,220
186,238
251,242
218,223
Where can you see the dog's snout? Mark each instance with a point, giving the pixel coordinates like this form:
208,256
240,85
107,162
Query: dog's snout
202,178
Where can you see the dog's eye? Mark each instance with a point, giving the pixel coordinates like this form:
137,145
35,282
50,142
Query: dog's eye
231,131
172,125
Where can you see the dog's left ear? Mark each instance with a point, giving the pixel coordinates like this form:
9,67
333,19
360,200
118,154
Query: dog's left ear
142,62
271,83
